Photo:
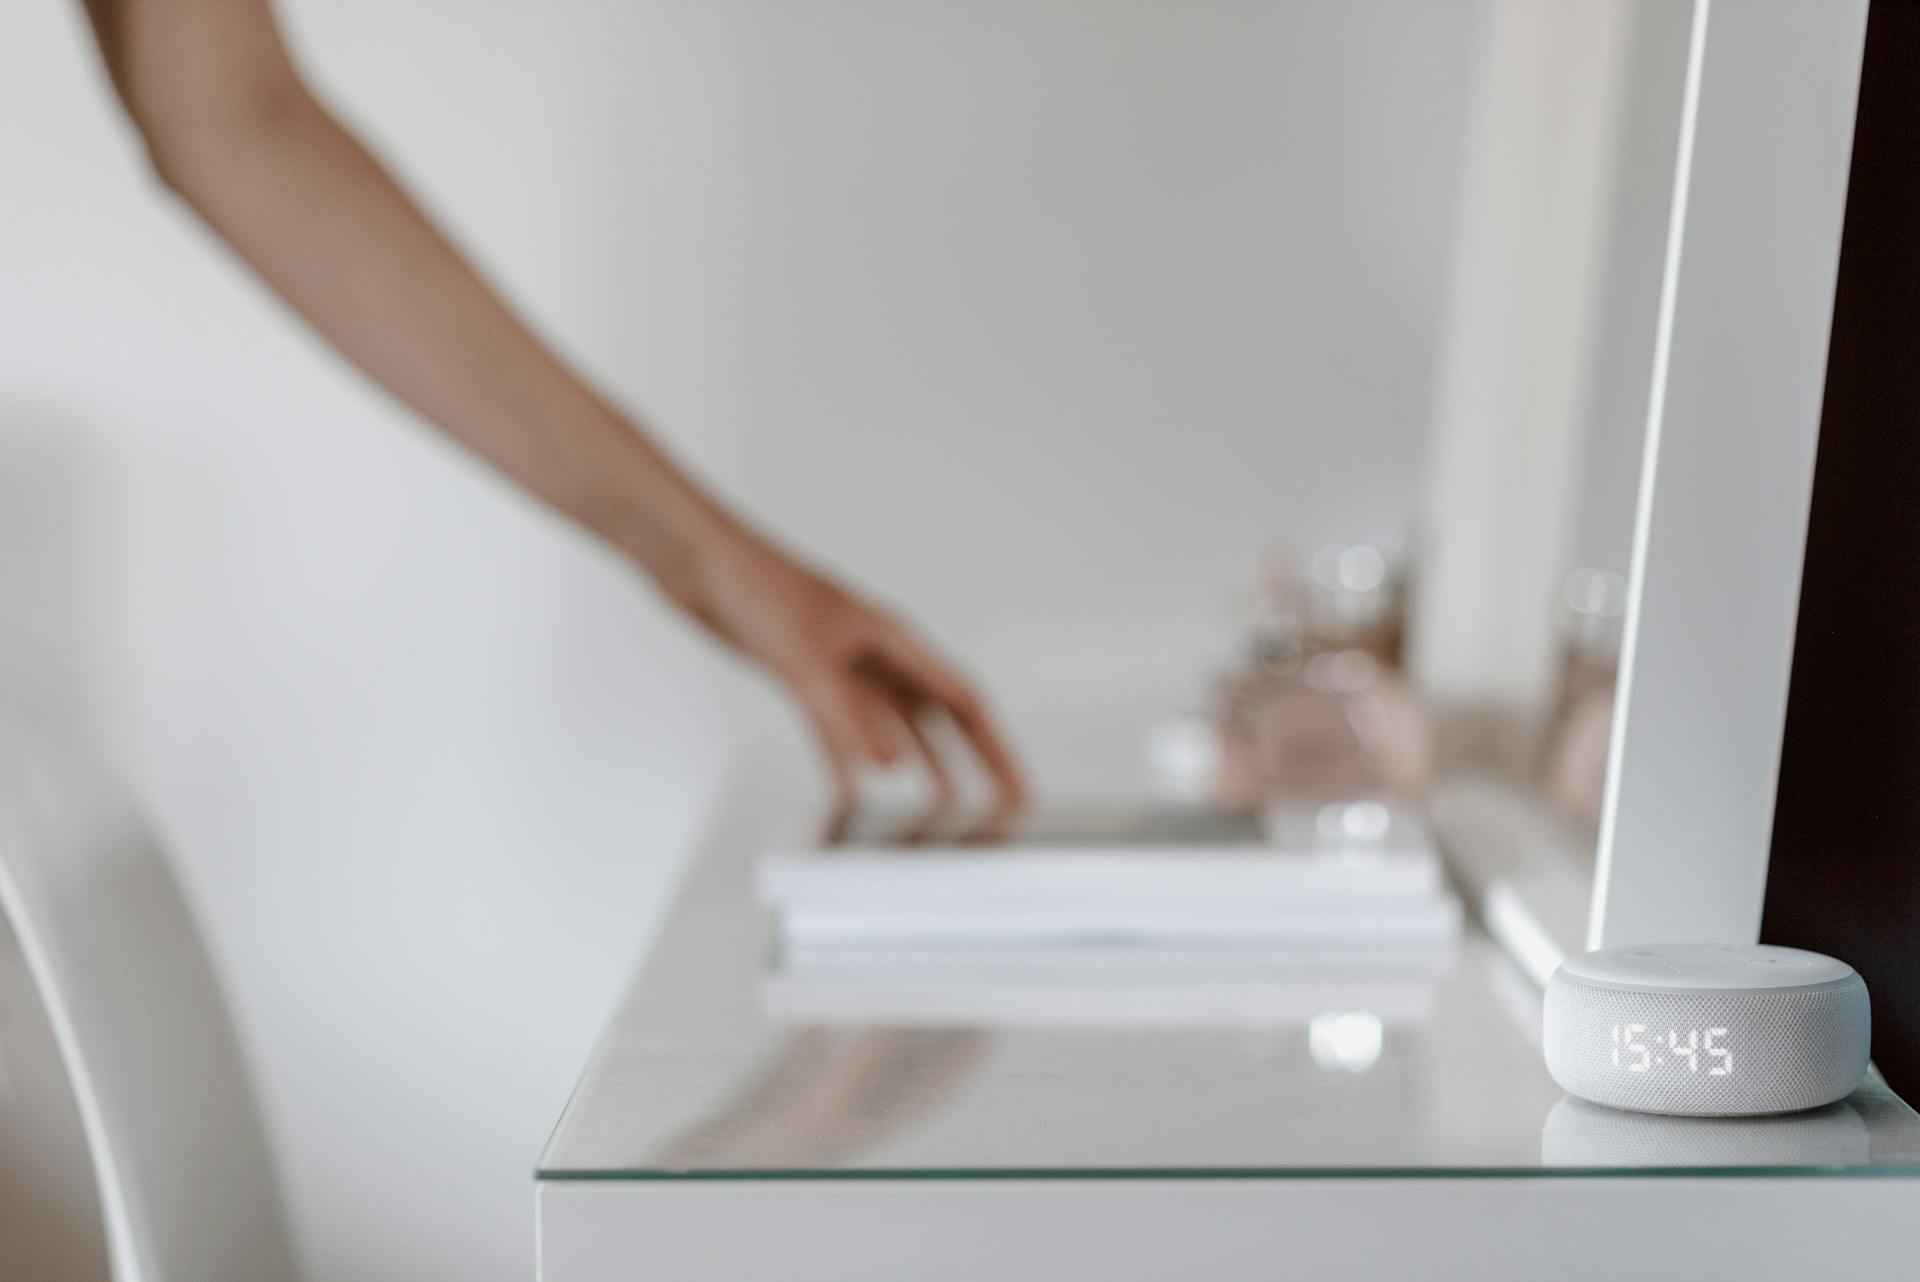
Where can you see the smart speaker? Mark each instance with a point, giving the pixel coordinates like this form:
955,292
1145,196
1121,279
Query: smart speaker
1707,1030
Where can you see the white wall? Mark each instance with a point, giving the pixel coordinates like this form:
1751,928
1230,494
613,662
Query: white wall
1060,311
1035,317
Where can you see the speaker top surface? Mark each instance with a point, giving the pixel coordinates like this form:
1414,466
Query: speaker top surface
1705,968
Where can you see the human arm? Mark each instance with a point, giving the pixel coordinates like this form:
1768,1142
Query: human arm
232,128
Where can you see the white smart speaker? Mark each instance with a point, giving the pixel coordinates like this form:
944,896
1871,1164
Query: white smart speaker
1707,1030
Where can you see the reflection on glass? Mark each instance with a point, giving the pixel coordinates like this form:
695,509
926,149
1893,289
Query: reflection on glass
1346,1041
1582,1135
1162,991
827,1095
1352,826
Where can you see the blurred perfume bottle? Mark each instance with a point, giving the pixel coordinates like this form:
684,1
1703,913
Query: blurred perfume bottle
1344,725
1574,764
1355,599
1308,714
1272,645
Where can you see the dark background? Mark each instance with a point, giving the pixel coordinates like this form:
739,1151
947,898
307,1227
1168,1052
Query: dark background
1845,871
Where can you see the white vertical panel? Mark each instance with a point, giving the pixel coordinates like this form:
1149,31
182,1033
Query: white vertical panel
1733,422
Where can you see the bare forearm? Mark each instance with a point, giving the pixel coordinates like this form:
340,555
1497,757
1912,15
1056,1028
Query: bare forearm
324,224
232,129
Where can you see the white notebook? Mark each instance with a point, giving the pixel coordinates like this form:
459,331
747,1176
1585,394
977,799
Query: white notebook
1080,876
1172,879
1424,919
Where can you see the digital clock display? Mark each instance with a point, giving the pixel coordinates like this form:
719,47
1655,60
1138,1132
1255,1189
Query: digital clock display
1638,1048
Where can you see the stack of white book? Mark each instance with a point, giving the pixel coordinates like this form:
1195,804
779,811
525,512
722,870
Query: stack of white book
1310,880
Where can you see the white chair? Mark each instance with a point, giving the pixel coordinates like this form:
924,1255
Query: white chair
187,1186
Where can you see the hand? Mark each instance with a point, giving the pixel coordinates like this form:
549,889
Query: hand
867,684
299,198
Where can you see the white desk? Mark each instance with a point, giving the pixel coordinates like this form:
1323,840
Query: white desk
712,1137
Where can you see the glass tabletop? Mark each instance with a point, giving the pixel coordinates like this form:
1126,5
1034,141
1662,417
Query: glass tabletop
722,1064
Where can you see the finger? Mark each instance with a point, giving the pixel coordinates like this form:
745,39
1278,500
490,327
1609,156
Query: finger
859,731
911,662
840,742
903,653
988,745
908,716
839,821
840,772
879,725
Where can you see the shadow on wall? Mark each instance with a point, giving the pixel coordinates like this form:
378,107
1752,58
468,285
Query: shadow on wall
50,1226
47,568
49,1220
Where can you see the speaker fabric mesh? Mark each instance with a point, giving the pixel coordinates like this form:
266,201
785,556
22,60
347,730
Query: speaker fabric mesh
1791,1049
